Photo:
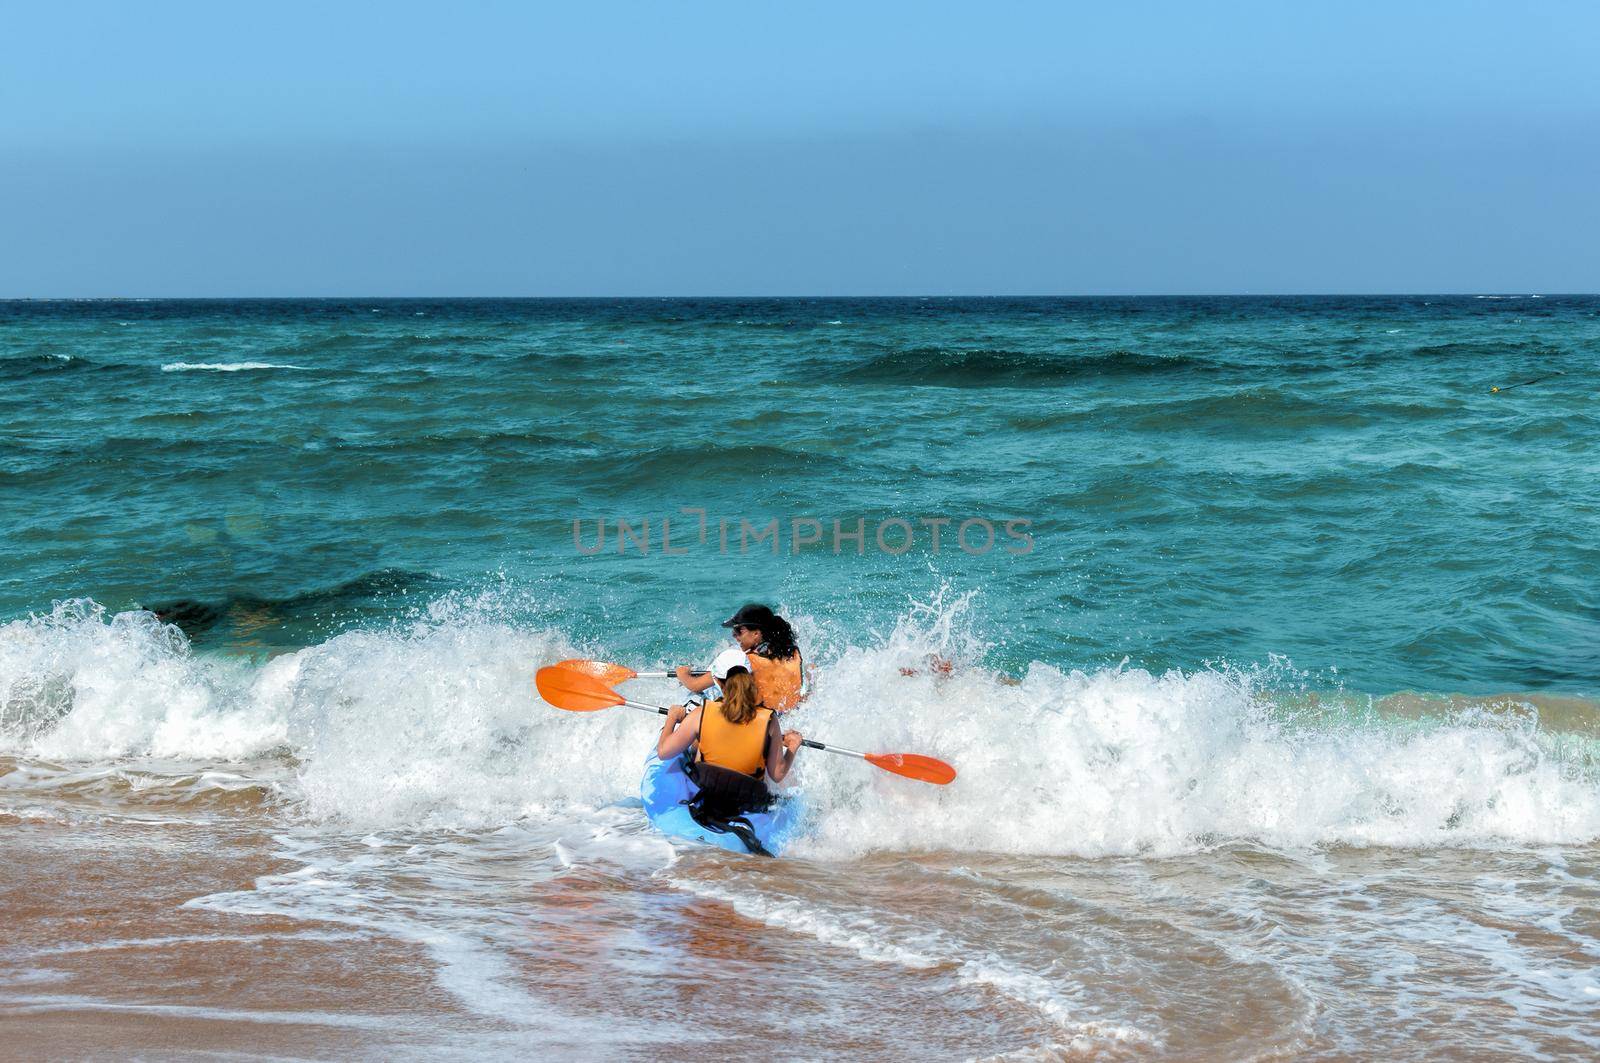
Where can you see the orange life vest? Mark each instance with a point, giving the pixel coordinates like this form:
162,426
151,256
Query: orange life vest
777,681
740,747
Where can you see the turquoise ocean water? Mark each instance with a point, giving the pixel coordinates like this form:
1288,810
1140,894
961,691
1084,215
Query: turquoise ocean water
1329,481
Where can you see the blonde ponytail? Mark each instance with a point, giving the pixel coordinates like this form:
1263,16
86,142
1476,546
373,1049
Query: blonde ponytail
739,696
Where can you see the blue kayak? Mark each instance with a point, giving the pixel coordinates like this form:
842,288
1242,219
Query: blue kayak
665,788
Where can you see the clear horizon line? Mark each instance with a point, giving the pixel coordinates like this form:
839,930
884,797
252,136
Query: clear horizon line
913,295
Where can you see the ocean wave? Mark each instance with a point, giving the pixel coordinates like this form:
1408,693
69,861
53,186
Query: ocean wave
556,360
984,367
381,346
49,365
1489,348
432,722
458,442
156,454
223,367
919,947
629,468
326,342
147,785
195,616
1272,409
81,684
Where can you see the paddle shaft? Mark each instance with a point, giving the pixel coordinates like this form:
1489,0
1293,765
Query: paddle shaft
661,711
664,675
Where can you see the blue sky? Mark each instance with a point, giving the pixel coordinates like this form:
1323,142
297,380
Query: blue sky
766,148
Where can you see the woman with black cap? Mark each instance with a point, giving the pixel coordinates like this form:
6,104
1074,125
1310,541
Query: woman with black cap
768,643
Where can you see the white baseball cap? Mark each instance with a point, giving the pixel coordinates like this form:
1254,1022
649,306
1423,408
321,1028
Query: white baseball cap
727,661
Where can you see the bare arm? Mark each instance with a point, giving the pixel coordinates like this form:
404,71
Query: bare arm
678,733
696,684
781,750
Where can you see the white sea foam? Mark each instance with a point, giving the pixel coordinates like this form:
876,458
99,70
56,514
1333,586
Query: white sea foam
435,724
472,945
28,1003
222,367
861,932
344,892
1125,762
80,684
140,944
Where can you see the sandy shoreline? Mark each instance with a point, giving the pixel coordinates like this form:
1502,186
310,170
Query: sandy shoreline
106,956
480,951
112,961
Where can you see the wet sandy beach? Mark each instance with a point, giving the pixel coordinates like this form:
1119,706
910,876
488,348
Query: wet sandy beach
218,926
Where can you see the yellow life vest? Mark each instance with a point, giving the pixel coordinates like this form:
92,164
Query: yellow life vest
777,681
740,747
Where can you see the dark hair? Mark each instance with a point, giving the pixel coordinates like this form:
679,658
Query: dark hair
779,637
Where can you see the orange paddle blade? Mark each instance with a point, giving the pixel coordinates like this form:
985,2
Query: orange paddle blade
574,691
606,673
914,766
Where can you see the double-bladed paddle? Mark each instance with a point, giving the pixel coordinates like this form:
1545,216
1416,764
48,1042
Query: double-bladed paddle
615,673
581,691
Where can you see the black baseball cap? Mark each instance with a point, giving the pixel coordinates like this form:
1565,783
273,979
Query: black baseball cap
752,615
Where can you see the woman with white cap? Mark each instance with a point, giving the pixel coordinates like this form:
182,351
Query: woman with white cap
771,654
739,742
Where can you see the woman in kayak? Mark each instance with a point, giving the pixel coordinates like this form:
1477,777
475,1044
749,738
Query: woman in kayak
739,742
774,659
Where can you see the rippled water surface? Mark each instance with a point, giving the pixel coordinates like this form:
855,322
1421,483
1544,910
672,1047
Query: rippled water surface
1274,704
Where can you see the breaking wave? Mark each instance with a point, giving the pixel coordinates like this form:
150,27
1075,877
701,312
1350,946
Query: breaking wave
433,722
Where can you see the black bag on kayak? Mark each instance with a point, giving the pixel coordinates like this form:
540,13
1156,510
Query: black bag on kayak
724,797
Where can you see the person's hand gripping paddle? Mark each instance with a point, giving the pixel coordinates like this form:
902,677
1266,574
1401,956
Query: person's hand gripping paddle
581,691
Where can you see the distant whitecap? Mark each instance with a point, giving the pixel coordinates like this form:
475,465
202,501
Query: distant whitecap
223,367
